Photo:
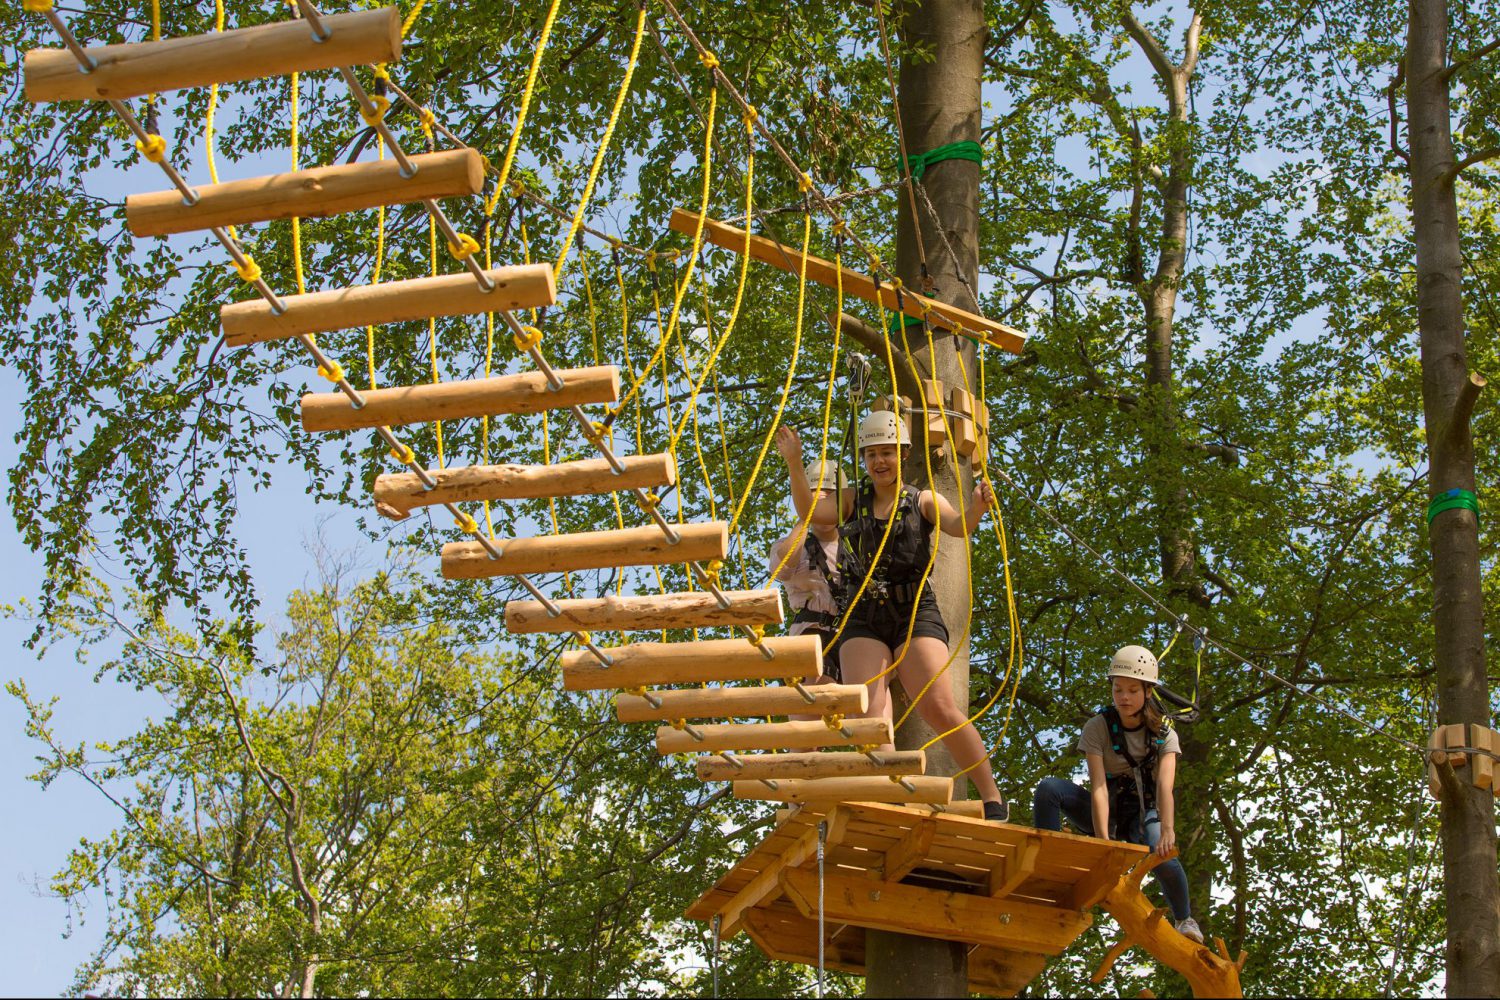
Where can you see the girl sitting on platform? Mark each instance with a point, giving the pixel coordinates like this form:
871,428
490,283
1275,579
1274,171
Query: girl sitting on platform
1132,760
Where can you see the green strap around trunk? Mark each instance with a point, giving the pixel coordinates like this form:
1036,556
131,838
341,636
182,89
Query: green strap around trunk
897,322
966,150
1452,500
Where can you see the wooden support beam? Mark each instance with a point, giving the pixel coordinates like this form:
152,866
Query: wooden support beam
828,791
767,884
1007,879
933,913
320,191
645,546
856,283
967,808
910,851
523,286
396,494
653,663
840,764
743,703
771,736
137,68
1088,891
527,392
647,612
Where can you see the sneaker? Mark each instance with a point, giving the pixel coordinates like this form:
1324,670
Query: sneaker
1189,929
999,812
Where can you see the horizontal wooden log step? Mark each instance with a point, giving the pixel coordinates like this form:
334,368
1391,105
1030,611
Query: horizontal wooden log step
824,791
648,612
651,664
857,283
523,286
320,191
971,808
527,392
645,546
772,736
743,703
839,764
134,69
397,493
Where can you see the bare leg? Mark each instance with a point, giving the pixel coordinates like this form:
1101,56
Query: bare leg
924,659
863,659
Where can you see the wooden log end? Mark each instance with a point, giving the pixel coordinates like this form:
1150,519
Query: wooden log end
393,513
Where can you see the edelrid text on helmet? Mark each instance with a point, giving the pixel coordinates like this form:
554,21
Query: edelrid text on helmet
882,427
830,474
1137,662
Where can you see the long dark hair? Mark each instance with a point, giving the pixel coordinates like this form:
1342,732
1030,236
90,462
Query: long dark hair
1151,711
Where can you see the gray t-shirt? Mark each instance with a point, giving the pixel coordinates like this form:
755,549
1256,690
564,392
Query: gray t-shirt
1095,739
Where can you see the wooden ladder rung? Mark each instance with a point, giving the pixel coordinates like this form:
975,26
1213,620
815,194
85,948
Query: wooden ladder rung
346,187
134,69
772,736
826,791
650,664
528,392
396,494
523,286
836,764
645,546
972,808
648,612
743,702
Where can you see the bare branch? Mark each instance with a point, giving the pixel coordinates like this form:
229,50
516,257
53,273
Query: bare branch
908,369
1463,407
1152,48
1390,101
1190,45
1470,59
1473,159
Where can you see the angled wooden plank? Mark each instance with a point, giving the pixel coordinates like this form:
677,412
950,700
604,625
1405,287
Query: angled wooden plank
653,663
1007,879
771,736
316,192
649,612
855,283
522,286
910,851
397,494
134,69
642,546
767,883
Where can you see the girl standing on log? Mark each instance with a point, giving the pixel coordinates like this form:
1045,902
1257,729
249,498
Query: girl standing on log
811,575
1132,759
897,616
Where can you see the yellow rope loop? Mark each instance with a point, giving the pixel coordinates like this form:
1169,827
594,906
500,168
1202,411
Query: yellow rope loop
428,119
711,571
751,117
804,183
153,149
602,432
381,73
834,721
679,724
757,635
896,283
639,691
709,60
467,524
651,260
333,372
405,456
528,338
615,243
867,747
516,188
584,638
249,272
652,501
36,6
840,227
791,682
373,116
465,248
895,778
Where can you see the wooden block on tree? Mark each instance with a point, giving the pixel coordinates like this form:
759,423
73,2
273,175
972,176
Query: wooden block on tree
649,612
937,431
644,546
320,191
960,401
829,791
524,286
650,664
834,764
743,702
1482,768
396,494
965,440
138,68
900,405
527,392
931,397
772,736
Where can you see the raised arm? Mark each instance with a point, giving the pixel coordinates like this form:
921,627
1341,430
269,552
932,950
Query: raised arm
1166,808
937,509
824,510
1099,795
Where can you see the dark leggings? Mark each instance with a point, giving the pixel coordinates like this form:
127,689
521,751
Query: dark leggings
1057,797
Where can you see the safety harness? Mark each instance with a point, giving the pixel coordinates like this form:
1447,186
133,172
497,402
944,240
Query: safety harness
899,574
817,558
1142,773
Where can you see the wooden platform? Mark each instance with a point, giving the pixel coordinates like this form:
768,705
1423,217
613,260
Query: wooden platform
1016,895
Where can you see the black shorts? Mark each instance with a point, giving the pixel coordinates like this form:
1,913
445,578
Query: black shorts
887,621
826,626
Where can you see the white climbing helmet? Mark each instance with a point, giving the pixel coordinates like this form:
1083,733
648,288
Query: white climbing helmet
831,474
882,427
1137,662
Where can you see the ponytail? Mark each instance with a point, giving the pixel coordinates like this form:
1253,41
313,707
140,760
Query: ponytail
1151,713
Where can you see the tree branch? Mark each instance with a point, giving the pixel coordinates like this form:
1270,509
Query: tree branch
1463,407
1390,101
1155,55
1190,45
908,369
1470,59
1473,159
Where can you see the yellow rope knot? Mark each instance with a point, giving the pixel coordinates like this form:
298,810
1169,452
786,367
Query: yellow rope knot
840,227
757,634
639,692
804,183
528,338
333,372
36,6
405,456
834,721
709,61
866,747
154,148
467,524
751,117
711,572
679,724
381,73
896,283
465,248
602,432
517,189
584,638
615,243
379,106
651,260
248,271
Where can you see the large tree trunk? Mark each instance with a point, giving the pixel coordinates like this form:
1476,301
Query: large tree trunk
939,104
1472,889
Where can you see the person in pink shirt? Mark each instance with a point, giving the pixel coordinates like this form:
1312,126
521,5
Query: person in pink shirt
811,575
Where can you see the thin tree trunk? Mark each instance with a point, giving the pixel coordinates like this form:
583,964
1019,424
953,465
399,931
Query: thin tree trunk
1471,886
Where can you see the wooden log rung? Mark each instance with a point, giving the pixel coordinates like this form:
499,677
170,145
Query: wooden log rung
523,286
134,69
527,392
743,702
653,664
644,546
397,494
320,191
834,764
649,612
772,736
826,791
